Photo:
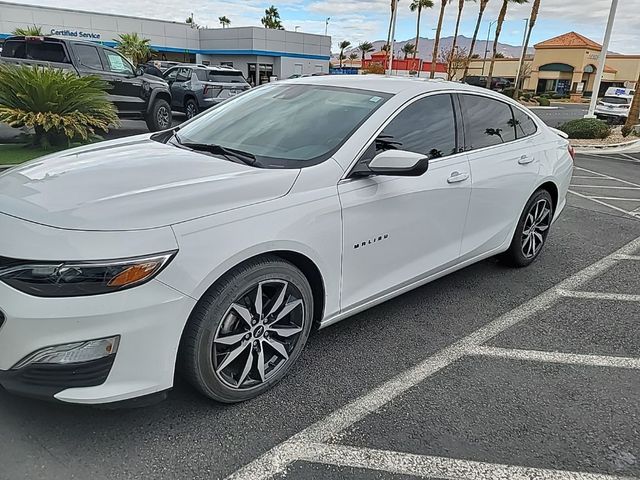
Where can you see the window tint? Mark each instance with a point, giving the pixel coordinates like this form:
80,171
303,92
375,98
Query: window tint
525,125
487,122
88,56
616,100
171,74
426,126
220,76
36,50
118,64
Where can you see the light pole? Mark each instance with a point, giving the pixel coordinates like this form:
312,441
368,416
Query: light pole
601,60
326,25
393,35
521,64
486,45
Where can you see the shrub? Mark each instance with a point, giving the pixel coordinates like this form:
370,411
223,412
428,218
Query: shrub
509,91
586,128
60,106
375,68
526,96
543,101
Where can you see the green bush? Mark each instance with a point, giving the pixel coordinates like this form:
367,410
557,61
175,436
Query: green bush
509,91
526,96
60,106
586,128
543,101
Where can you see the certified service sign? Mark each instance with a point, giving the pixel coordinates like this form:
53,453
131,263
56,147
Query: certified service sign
76,33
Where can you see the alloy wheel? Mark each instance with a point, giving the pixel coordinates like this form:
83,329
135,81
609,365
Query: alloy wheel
535,228
257,334
191,111
163,117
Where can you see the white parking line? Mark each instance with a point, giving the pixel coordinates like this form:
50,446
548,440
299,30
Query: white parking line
616,198
600,157
613,207
557,357
618,297
628,257
603,175
431,466
276,460
606,186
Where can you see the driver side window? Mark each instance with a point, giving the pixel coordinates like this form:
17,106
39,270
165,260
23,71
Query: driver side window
170,76
426,126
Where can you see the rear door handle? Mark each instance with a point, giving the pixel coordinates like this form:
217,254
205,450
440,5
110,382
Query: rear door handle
524,159
456,177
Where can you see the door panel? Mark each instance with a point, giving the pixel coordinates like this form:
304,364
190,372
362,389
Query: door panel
504,170
127,87
398,229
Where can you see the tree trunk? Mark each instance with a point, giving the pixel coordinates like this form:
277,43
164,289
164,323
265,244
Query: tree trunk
634,110
501,17
393,2
341,54
436,43
532,22
483,5
455,37
415,52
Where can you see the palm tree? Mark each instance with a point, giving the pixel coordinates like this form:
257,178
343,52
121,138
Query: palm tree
271,19
31,31
408,49
342,45
224,21
191,22
136,48
436,42
532,21
365,47
352,57
501,17
455,33
393,8
418,5
483,6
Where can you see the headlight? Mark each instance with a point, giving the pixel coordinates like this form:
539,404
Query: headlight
74,279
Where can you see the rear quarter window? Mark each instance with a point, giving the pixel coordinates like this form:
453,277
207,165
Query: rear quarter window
524,124
36,50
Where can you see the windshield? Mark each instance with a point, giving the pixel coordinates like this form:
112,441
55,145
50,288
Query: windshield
616,100
285,126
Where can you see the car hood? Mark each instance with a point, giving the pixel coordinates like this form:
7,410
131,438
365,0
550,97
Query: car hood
133,184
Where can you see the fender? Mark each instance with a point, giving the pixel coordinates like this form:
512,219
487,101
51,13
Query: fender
154,93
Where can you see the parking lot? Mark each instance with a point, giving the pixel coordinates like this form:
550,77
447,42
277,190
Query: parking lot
488,373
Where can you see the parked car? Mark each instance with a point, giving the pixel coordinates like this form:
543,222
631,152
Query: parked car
224,240
497,83
615,105
135,94
197,87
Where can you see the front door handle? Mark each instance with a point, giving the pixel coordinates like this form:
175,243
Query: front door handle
456,177
524,159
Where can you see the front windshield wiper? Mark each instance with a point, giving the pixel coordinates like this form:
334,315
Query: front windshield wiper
231,154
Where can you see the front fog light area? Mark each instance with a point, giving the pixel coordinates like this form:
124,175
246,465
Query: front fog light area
77,352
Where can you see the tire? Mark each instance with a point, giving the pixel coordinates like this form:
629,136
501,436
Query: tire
528,240
226,340
190,108
159,116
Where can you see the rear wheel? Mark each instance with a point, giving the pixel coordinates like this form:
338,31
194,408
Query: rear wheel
531,231
159,116
248,330
190,108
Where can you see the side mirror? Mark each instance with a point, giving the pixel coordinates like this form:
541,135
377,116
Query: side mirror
139,71
399,163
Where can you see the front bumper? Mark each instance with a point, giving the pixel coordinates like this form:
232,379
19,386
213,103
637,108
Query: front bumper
149,320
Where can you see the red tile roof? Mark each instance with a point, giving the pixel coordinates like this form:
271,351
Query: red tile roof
569,40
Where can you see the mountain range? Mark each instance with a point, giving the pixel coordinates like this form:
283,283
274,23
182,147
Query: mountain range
425,47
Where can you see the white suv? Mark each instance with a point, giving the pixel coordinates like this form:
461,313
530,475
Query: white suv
216,246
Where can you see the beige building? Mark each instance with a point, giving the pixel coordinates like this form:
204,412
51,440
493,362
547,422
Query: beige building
566,64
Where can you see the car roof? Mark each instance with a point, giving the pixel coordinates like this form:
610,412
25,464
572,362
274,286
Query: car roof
392,85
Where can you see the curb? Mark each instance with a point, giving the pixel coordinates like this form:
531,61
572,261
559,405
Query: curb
625,147
538,107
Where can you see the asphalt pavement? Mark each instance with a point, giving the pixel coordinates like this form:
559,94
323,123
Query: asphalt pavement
488,373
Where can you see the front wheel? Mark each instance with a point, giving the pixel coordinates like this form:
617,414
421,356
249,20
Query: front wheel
248,330
159,116
531,231
190,108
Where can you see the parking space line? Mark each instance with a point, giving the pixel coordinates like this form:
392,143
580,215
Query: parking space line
276,460
585,176
608,176
619,297
628,257
606,186
557,357
616,198
432,466
588,197
600,157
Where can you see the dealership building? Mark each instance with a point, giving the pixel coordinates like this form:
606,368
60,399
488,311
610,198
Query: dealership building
260,53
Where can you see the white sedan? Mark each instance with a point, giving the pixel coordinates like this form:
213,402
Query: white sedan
214,248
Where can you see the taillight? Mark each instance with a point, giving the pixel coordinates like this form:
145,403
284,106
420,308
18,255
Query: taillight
211,91
572,152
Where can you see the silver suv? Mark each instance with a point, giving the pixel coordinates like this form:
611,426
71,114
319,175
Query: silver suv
197,87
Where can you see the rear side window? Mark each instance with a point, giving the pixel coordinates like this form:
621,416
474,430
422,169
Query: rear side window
426,126
524,124
616,100
487,122
35,50
88,56
220,76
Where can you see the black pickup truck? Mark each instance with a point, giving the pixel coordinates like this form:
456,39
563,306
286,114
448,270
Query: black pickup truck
134,93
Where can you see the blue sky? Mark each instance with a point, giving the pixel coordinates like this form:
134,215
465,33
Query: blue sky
358,20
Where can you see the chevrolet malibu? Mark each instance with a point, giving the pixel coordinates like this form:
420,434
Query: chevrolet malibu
213,249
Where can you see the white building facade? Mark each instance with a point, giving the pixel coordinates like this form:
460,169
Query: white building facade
259,53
